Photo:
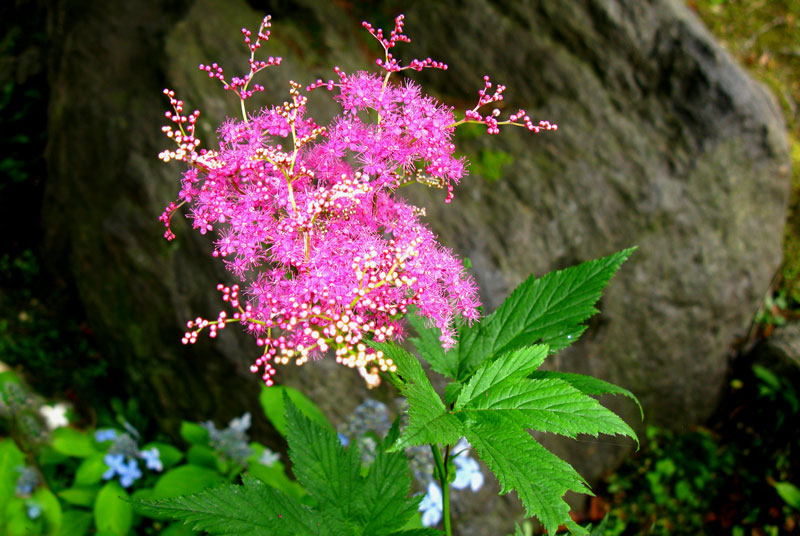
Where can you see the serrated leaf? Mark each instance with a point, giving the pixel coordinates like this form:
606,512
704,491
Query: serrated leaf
186,479
520,463
516,364
253,509
385,506
549,406
588,384
429,421
452,391
329,472
417,532
550,310
430,347
271,399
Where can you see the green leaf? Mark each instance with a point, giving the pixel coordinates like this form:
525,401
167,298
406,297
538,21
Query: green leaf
550,310
275,476
520,463
194,433
79,496
186,479
548,406
10,458
384,506
75,523
329,472
253,509
203,456
91,470
51,510
271,399
509,366
587,384
168,454
417,532
430,347
789,493
113,511
71,442
429,421
343,502
177,529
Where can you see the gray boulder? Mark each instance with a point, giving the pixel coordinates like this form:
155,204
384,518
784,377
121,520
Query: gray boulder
663,142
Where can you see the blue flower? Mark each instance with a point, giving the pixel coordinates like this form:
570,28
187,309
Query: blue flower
431,506
128,472
132,474
105,434
34,510
468,473
115,463
343,439
152,459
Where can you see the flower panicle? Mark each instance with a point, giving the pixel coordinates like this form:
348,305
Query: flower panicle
240,85
389,62
327,257
491,120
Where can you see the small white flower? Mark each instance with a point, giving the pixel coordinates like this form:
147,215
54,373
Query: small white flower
461,447
268,458
432,506
55,416
468,473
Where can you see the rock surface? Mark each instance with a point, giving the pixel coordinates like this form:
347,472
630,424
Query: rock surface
663,142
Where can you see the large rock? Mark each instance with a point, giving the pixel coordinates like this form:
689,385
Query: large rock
663,142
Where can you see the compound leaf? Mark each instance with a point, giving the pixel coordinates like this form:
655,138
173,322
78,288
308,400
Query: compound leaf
550,310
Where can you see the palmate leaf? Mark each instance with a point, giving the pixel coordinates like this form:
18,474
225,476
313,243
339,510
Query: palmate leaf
588,384
429,346
516,364
429,421
520,463
253,509
550,310
548,406
346,503
501,401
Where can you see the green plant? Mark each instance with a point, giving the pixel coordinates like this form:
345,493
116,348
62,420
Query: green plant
71,482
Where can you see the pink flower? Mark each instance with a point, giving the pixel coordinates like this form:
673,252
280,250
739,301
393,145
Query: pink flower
306,217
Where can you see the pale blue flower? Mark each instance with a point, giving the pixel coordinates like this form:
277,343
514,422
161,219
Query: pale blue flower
132,473
28,480
105,434
268,458
128,472
343,439
34,510
116,465
468,473
152,459
432,506
240,424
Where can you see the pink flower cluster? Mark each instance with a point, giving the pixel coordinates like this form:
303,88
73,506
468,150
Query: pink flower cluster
306,216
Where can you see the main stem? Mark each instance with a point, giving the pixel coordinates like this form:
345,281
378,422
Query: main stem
441,469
